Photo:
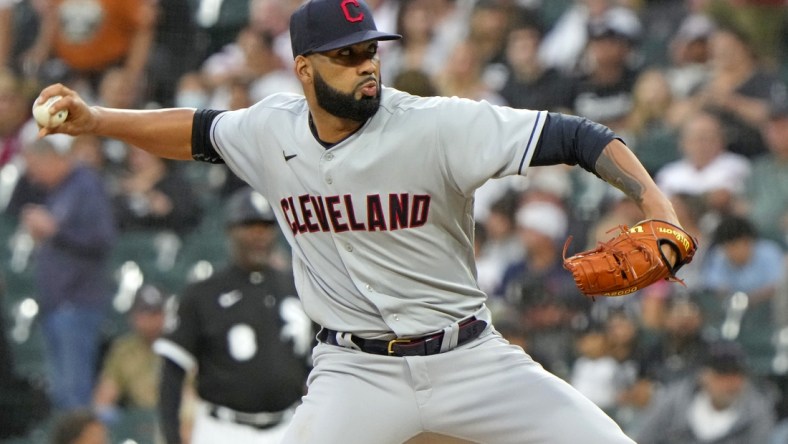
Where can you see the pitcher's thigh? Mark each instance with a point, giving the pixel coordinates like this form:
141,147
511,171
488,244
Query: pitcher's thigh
495,393
355,398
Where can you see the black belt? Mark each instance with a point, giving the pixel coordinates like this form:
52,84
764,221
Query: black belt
260,421
419,346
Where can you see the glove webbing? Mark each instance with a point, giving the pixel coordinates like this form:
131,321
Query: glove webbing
660,242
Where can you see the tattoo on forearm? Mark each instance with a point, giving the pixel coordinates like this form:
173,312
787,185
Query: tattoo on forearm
609,170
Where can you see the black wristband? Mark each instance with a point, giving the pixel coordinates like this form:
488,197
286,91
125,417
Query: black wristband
202,148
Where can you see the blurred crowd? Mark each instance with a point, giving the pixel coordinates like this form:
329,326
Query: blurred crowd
696,88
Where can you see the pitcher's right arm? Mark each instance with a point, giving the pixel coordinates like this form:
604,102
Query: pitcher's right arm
164,132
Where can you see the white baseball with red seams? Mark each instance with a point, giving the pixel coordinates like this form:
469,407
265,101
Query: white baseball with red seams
43,116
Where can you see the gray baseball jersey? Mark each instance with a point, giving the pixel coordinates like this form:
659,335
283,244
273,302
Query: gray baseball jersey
380,224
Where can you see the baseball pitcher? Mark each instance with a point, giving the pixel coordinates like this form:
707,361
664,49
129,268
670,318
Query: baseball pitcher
374,190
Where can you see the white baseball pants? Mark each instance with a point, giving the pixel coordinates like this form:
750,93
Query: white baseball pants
210,430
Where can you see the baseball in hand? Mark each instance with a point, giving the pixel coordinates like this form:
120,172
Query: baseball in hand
44,118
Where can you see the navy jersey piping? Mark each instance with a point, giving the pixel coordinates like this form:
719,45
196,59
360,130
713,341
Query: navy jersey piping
528,146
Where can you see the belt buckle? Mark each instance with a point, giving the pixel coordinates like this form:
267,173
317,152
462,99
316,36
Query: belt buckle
396,341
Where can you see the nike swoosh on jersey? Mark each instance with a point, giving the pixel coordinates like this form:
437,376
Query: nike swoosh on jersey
230,298
288,156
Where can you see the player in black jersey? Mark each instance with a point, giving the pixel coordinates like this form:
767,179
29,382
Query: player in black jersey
244,333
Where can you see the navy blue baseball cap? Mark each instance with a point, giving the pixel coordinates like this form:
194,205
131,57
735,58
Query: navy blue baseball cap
323,25
246,206
726,357
149,298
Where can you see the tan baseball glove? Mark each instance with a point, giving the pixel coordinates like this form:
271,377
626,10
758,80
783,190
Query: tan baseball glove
632,260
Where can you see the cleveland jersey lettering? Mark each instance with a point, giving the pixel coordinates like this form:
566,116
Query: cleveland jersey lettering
367,216
308,214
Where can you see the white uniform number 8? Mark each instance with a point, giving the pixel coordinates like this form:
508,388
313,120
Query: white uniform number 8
242,342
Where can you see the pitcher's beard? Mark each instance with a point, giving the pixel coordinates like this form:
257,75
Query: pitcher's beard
343,105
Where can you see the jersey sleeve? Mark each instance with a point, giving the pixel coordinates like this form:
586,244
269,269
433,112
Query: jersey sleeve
244,137
181,338
228,135
481,141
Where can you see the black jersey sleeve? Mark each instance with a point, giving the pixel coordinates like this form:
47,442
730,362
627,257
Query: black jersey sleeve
170,393
184,330
202,148
571,140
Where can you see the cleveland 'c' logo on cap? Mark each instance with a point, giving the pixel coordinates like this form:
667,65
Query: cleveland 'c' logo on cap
348,15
